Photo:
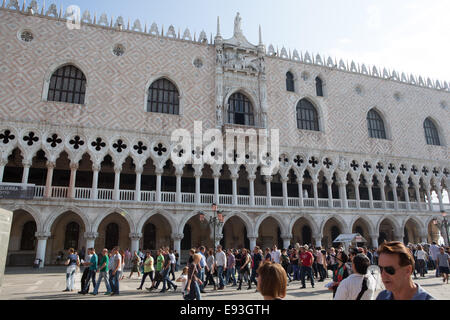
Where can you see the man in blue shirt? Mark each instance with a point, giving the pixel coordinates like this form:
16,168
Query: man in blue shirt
202,270
93,265
396,264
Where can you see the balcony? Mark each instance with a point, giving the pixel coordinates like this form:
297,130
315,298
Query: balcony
227,200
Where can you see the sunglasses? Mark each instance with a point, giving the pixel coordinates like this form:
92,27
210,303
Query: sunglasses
389,270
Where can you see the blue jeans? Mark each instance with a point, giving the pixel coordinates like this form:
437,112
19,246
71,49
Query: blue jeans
220,274
253,277
70,273
202,277
231,273
306,270
166,279
105,276
197,291
114,281
295,271
91,276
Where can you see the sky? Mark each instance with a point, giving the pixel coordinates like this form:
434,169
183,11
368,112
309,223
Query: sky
411,36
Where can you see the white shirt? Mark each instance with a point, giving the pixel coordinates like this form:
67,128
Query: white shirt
184,281
350,287
434,251
421,255
172,258
221,259
276,256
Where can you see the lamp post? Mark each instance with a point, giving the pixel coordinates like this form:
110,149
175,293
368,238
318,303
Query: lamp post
444,216
216,220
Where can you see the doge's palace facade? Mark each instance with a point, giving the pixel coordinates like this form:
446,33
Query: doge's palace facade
87,118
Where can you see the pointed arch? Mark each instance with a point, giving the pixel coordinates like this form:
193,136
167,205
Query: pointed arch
125,214
59,212
339,219
165,214
307,217
280,221
376,125
432,136
247,221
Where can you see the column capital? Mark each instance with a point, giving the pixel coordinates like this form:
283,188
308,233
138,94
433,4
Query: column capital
42,235
369,184
26,163
117,169
135,235
286,236
91,235
74,166
3,162
159,171
329,182
139,169
356,183
51,165
284,179
300,180
96,167
234,176
250,238
268,178
251,177
177,236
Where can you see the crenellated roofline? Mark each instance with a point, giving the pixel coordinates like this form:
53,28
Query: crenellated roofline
238,38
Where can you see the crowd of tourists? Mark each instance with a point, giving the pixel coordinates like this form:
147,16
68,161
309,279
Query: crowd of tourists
270,270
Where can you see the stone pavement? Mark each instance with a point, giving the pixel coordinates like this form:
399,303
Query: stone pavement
47,284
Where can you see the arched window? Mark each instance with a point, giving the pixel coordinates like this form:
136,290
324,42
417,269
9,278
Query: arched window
431,133
319,87
28,241
290,82
186,242
72,235
375,125
240,110
112,236
163,97
150,237
307,118
67,84
306,235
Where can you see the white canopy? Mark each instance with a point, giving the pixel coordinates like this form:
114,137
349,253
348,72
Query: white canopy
350,237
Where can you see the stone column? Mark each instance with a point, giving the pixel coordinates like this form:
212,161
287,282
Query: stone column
73,178
95,171
251,182
137,192
300,191
417,188
286,241
315,181
429,200
178,187
234,178
439,194
369,188
41,246
135,238
398,236
26,171
394,192
383,194
3,163
177,237
116,195
318,239
284,180
6,218
218,238
343,193
330,193
159,172
358,198
268,179
90,239
406,192
374,238
252,241
197,188
48,184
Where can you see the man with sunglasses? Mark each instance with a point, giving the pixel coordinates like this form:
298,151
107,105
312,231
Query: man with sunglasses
396,265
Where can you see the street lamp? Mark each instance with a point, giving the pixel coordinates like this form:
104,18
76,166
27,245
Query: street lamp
444,216
216,221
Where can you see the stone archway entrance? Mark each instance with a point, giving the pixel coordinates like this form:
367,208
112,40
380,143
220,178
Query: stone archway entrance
269,234
235,234
22,240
